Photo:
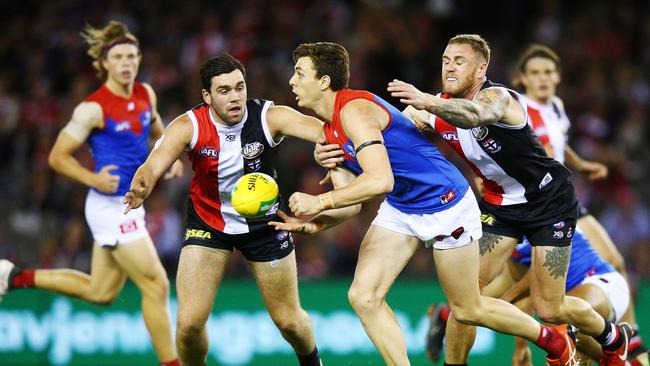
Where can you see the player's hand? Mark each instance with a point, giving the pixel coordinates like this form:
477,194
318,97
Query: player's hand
175,171
139,191
329,155
106,182
294,224
327,179
303,204
594,170
419,118
409,94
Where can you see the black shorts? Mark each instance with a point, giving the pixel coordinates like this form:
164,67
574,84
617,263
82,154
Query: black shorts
263,244
549,222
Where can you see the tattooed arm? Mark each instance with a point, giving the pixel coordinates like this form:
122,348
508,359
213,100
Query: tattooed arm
490,105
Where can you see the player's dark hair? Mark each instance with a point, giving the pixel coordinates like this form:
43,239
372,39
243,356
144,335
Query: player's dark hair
328,58
221,64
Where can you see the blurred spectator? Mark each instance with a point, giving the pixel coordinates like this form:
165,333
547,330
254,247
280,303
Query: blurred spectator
627,221
165,226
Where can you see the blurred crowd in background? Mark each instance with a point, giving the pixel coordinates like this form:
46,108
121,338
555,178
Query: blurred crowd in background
45,72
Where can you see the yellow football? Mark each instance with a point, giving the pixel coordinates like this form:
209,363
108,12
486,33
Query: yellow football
254,194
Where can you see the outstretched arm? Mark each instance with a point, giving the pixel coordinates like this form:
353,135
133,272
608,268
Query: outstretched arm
287,121
490,105
326,219
361,121
157,129
177,136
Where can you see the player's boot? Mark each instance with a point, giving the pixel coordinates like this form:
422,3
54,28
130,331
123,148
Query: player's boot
5,274
637,353
438,315
618,357
569,356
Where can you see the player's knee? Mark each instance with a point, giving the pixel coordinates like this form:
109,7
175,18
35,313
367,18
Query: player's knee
156,287
363,300
188,331
162,287
466,314
288,326
105,298
550,313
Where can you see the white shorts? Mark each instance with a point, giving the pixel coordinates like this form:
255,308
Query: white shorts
615,288
108,223
452,228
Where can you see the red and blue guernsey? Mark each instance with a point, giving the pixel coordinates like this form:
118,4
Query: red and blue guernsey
584,261
123,140
425,182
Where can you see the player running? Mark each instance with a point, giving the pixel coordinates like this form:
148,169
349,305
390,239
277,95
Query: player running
117,121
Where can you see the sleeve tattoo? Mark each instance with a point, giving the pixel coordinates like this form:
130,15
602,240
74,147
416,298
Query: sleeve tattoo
465,113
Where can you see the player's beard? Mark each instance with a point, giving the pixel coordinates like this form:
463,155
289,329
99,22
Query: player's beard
458,89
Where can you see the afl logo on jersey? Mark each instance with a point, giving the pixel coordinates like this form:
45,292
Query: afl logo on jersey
449,136
480,132
252,150
209,152
350,150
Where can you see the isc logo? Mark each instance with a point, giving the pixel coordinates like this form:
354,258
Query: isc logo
197,233
449,136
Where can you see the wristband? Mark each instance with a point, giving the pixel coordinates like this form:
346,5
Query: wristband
326,201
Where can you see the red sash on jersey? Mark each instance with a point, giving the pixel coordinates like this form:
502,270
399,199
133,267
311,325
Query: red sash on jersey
204,191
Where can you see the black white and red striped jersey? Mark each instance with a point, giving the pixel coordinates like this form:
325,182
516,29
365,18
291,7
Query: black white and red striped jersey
550,123
220,155
510,159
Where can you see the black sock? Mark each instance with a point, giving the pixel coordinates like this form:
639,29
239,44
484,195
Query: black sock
611,337
311,359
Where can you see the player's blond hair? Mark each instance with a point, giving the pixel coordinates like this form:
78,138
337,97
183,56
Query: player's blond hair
100,40
475,41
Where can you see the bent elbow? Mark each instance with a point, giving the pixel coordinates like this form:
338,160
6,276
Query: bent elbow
53,161
387,185
377,185
487,118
